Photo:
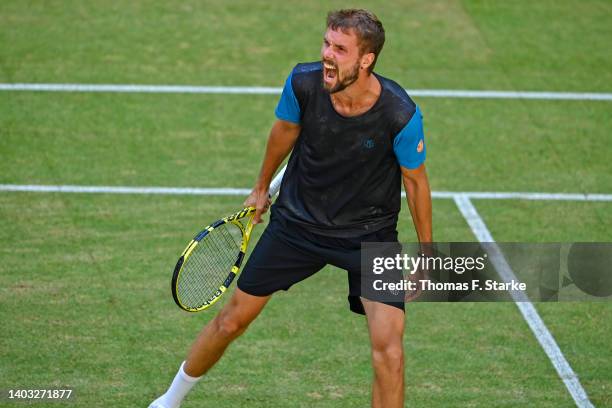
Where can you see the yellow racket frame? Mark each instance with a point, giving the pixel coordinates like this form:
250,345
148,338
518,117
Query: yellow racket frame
232,273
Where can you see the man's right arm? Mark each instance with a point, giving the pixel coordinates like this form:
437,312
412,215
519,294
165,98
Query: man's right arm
280,143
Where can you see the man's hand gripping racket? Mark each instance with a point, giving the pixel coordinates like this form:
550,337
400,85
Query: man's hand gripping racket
211,261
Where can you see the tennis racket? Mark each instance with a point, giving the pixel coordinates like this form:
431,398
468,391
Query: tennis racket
212,259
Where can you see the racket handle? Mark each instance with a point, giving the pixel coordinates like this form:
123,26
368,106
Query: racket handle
276,183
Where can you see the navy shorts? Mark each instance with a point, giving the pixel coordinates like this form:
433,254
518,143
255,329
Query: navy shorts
287,253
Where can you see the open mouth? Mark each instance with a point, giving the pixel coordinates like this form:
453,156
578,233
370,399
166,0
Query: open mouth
330,71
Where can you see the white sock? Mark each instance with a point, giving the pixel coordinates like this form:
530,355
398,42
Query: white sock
180,386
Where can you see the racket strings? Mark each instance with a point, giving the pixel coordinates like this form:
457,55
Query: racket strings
209,264
207,267
214,257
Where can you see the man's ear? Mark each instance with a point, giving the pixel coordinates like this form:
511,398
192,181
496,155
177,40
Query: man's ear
367,60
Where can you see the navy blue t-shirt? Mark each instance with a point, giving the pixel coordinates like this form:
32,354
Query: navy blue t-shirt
343,178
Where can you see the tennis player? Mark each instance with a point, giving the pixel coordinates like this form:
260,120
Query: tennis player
354,137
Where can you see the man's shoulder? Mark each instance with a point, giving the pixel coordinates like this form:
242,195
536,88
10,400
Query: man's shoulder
397,101
306,79
307,67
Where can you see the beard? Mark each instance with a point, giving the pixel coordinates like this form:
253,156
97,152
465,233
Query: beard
343,79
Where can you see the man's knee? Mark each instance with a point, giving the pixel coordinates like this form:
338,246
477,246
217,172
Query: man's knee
236,316
388,355
229,325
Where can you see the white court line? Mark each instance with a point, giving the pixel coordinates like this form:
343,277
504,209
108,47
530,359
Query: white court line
262,90
529,312
180,89
33,188
516,195
36,188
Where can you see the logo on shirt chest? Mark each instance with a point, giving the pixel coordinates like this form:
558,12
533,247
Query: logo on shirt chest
369,143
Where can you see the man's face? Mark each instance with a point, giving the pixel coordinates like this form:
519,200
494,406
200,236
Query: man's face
341,59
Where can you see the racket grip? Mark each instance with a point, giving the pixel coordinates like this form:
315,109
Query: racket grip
276,182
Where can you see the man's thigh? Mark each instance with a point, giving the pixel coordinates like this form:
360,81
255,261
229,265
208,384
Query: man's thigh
385,323
281,258
347,255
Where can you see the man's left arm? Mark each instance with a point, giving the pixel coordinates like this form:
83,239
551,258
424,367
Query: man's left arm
410,150
419,201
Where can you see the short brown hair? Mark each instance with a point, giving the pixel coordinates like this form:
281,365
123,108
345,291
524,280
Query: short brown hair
366,25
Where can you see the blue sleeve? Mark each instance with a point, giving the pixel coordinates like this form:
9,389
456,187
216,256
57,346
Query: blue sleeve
288,107
409,143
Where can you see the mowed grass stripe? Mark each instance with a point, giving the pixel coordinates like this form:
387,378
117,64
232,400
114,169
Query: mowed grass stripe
527,309
580,328
93,276
219,140
490,46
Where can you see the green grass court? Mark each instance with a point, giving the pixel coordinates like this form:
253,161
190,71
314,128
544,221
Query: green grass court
85,278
